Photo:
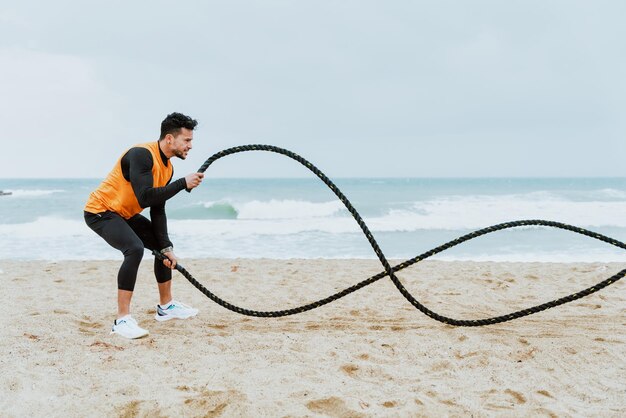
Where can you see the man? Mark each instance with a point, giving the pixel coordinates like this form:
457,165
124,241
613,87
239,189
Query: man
142,178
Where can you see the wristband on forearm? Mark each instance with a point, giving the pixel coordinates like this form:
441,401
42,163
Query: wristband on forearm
167,250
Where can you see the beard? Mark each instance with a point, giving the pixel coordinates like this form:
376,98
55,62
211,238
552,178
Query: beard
180,154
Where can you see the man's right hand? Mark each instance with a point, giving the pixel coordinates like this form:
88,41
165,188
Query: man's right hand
193,180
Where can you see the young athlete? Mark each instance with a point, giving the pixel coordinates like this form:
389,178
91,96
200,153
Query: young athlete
141,178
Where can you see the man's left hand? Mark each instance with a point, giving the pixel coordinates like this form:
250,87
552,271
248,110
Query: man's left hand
170,261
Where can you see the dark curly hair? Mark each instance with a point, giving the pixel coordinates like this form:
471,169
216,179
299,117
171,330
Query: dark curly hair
174,122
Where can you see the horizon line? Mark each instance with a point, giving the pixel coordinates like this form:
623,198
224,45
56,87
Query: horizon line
346,177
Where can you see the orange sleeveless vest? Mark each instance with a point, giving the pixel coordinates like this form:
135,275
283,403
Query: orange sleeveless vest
116,194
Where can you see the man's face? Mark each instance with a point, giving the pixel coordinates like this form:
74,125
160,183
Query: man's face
181,143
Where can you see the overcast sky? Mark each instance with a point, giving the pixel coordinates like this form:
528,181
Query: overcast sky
360,88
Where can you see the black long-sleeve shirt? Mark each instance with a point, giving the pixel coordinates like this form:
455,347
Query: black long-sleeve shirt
137,169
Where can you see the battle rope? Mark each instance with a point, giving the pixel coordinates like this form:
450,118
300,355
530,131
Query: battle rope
390,271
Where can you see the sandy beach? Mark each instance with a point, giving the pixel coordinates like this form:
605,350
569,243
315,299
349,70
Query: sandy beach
368,354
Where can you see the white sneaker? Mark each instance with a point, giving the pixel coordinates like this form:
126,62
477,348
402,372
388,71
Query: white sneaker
127,327
175,310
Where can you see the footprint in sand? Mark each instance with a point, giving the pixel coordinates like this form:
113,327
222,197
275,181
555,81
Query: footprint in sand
86,326
131,409
334,407
497,400
136,408
350,369
103,346
519,398
545,393
208,403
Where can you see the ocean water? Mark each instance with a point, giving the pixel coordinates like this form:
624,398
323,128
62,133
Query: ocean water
301,218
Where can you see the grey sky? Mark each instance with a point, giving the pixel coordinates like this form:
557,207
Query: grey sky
360,88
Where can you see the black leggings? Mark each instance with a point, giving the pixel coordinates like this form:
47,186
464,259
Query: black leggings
130,237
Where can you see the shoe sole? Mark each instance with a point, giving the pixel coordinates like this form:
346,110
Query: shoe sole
131,338
168,317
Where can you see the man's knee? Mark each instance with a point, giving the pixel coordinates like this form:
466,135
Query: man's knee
134,250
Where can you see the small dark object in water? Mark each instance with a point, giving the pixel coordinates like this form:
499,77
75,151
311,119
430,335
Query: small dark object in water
5,193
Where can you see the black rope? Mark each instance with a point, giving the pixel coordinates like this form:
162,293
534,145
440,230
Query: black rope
390,271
